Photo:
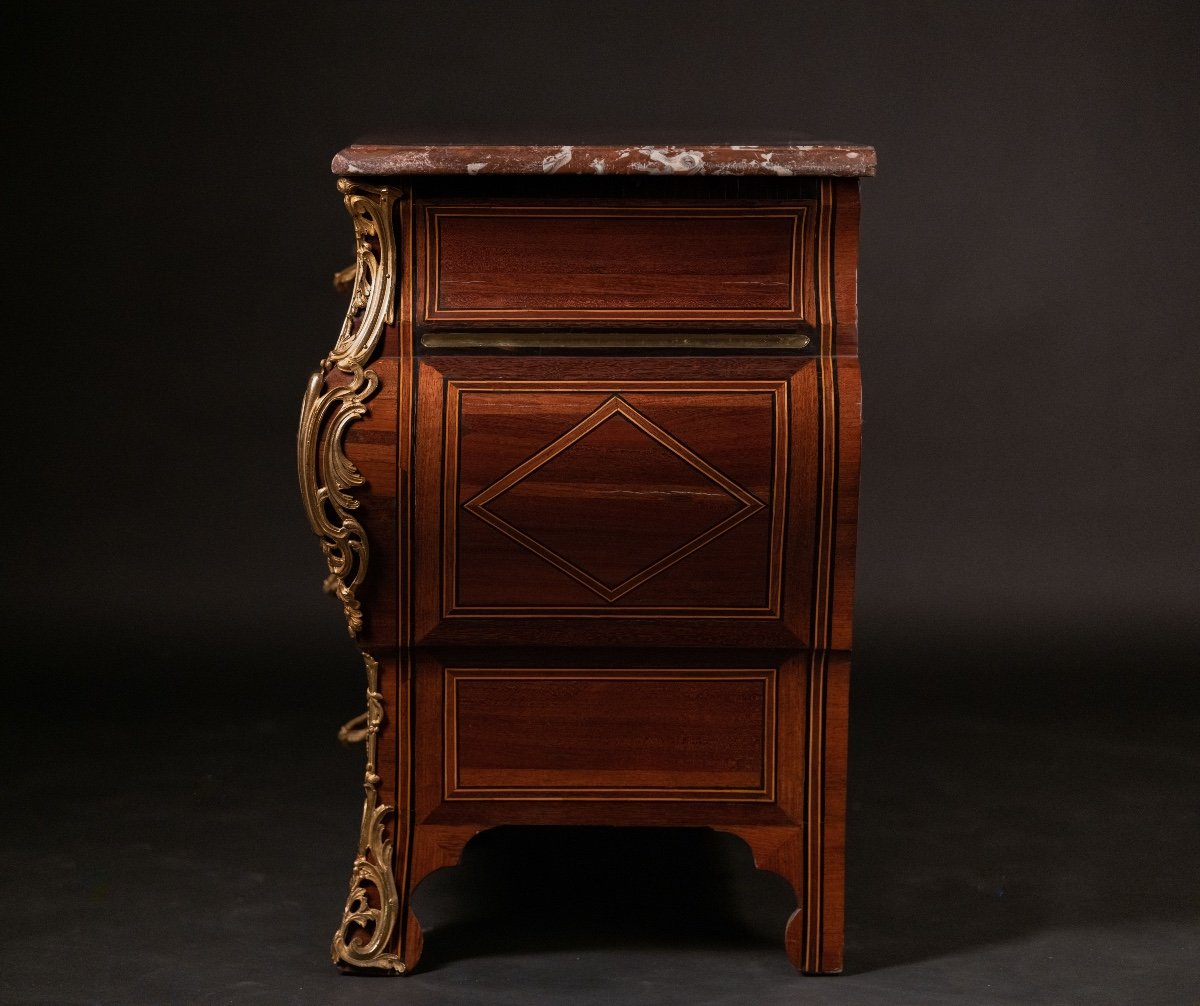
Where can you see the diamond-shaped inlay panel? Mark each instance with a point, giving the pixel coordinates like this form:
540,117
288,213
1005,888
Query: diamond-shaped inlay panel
597,502
614,501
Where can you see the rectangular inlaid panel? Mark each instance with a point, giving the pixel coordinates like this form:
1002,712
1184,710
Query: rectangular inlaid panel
613,264
584,734
612,509
586,497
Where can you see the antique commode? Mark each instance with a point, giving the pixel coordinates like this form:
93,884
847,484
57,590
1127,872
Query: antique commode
584,463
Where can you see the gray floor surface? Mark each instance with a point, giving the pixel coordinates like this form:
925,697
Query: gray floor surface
1029,835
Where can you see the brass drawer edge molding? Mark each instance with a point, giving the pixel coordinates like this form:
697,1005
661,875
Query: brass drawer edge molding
614,340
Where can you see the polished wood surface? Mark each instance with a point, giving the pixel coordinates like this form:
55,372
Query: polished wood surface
765,728
614,264
609,583
600,733
578,500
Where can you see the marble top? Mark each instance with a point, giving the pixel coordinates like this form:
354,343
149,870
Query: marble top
810,158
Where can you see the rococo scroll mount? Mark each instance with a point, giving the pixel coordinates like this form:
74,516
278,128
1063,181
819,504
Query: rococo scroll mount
330,406
373,904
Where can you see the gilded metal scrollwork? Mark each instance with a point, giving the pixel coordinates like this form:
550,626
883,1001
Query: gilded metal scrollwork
338,393
373,903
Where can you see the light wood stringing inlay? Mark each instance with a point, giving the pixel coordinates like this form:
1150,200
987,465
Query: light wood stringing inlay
764,792
433,309
454,391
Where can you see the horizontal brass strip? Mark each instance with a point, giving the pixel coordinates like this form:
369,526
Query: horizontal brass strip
613,340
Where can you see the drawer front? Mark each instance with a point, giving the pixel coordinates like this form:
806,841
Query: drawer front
615,266
590,501
588,734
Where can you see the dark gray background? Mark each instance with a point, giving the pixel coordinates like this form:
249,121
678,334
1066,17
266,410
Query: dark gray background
178,824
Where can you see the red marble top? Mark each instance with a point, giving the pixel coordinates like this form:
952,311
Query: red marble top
611,159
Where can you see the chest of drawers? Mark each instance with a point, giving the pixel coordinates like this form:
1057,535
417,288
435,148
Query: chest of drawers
583,461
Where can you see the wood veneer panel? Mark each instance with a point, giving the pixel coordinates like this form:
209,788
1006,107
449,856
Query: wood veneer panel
845,264
371,444
826,955
599,733
845,539
553,509
843,288
610,502
764,727
616,264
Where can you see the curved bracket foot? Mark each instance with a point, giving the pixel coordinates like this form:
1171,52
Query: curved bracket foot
813,935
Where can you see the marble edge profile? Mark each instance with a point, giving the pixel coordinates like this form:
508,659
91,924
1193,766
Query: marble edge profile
844,159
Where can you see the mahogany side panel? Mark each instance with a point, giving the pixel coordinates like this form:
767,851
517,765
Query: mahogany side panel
845,264
616,264
800,835
615,499
829,956
598,733
609,587
780,850
567,263
371,445
435,847
845,536
596,736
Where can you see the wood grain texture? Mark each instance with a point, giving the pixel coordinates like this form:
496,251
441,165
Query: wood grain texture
844,264
614,492
829,943
434,847
621,261
586,567
845,533
775,160
372,445
776,830
598,733
811,856
619,264
757,733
